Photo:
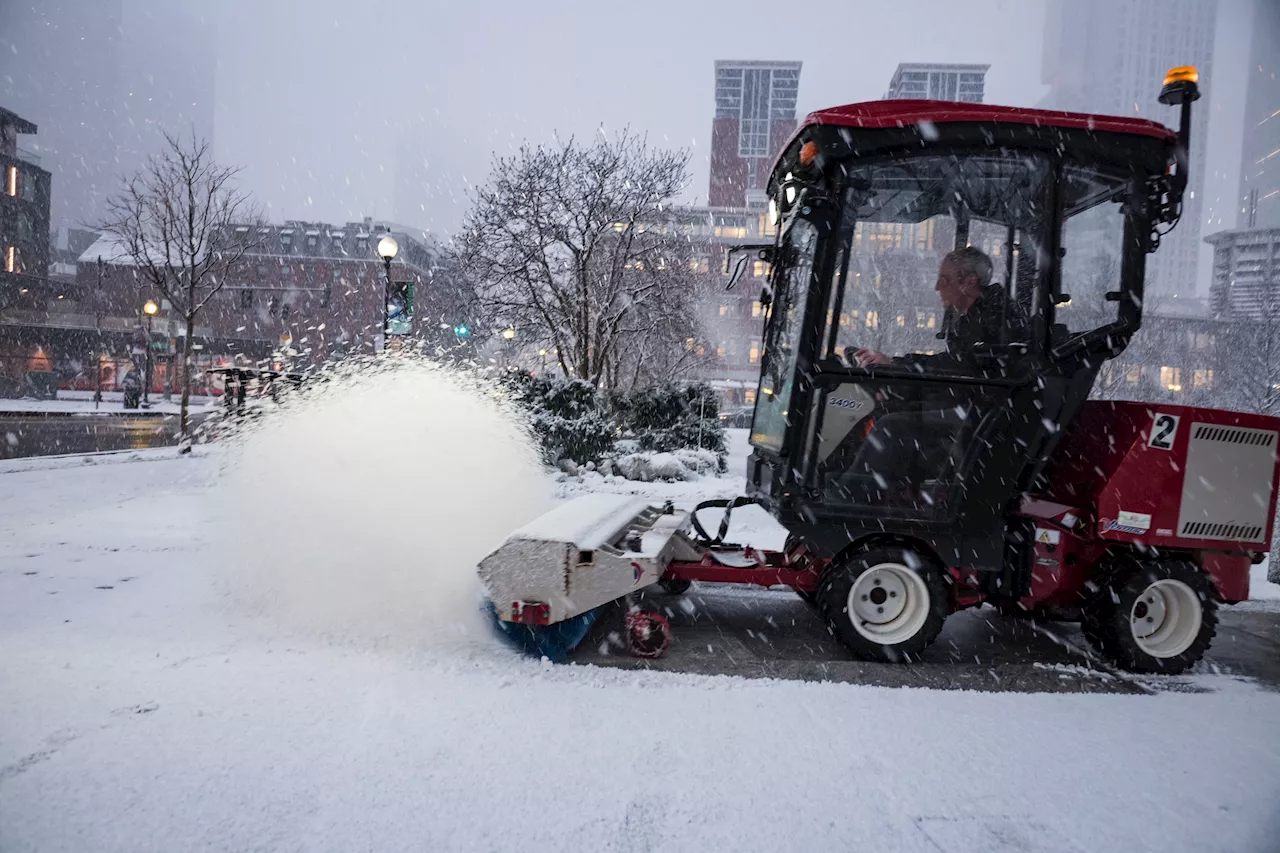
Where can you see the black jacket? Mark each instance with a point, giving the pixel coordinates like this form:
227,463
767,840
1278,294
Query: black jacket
992,320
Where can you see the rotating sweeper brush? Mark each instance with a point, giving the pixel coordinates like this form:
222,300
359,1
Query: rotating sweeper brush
555,577
552,578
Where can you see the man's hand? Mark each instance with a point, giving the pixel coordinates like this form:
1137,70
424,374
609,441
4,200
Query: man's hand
866,357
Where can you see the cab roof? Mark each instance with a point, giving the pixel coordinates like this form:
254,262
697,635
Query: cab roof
906,112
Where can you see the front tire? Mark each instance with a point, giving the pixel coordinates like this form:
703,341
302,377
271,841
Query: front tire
885,603
1159,617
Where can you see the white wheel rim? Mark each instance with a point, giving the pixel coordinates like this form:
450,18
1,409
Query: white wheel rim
1166,618
888,604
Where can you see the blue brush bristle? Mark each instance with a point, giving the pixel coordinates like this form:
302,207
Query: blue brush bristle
554,642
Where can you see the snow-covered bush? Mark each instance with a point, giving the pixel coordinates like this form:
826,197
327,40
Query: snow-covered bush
681,464
670,432
670,417
567,415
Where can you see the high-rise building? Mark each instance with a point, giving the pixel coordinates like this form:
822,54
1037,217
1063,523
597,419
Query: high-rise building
755,115
939,82
1246,273
1260,152
1110,57
102,80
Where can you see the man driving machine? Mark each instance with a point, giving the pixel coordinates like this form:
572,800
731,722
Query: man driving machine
910,441
975,313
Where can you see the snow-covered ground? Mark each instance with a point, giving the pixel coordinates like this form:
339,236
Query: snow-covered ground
1259,588
81,402
148,703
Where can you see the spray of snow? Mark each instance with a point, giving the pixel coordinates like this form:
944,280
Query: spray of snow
359,510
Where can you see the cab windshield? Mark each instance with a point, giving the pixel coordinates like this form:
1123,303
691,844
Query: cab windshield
798,248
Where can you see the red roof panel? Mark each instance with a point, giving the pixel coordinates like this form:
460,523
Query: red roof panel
902,113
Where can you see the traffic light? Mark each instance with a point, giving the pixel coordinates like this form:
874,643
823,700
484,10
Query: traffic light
462,330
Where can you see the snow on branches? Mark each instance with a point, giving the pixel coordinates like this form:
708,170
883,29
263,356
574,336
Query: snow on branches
576,245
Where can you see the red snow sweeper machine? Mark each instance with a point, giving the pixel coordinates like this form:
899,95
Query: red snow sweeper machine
970,467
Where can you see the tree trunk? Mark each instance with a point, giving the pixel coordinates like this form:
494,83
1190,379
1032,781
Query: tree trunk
184,438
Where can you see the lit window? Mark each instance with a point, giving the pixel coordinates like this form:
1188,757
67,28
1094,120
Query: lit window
1134,376
873,319
902,320
1202,379
756,309
720,351
688,344
759,269
11,182
844,320
1171,378
702,351
10,259
724,310
754,355
749,395
933,321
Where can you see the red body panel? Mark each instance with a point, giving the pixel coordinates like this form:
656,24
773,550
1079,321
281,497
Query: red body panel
901,113
1230,574
1107,462
1065,554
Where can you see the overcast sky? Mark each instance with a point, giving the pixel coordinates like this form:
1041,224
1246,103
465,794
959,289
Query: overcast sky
319,106
323,103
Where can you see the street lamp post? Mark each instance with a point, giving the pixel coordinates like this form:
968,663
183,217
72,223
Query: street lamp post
150,310
387,250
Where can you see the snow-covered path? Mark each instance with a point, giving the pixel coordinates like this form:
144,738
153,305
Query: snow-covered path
154,715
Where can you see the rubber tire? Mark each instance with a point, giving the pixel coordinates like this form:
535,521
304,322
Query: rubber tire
833,597
1106,618
675,586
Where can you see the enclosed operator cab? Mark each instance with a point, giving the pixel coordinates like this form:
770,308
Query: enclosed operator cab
893,400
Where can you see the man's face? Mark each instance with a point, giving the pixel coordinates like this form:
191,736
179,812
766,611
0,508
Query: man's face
948,285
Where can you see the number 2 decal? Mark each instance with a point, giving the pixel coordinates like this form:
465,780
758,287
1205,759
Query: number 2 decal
1163,429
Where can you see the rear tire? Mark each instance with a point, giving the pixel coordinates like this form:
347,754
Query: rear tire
885,603
1155,617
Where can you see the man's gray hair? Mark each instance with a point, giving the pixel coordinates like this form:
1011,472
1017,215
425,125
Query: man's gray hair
971,261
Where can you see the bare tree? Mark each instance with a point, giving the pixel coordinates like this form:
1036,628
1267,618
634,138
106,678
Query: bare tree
184,225
576,246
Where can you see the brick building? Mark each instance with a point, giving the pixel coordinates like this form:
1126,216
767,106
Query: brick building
306,292
755,115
